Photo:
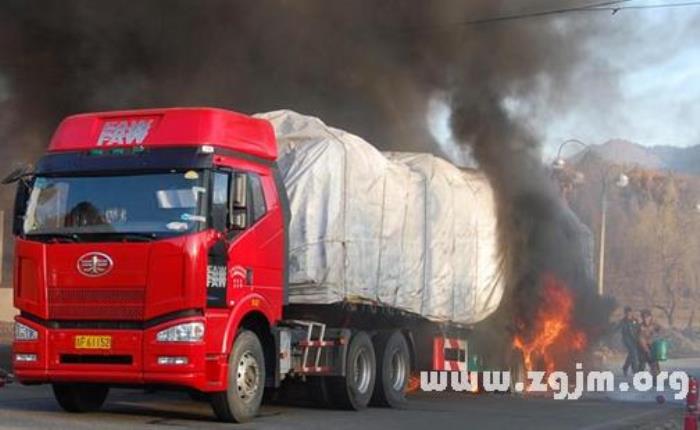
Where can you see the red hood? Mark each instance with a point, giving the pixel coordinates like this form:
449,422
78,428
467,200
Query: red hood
146,280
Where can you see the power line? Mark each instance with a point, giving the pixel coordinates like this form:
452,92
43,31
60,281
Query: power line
585,8
651,6
607,6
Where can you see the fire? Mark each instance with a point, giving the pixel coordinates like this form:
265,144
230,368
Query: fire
552,334
413,383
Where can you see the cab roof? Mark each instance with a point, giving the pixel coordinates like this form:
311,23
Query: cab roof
171,127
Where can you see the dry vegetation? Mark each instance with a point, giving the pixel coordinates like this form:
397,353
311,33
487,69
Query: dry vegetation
5,332
653,245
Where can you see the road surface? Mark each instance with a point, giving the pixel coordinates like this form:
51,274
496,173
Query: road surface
23,407
33,407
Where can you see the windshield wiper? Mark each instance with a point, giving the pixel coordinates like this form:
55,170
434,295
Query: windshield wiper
128,237
138,237
75,237
58,237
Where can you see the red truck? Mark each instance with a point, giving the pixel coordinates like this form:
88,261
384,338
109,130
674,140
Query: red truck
152,251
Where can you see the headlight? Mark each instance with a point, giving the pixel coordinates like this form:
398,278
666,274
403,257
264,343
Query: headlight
23,332
188,332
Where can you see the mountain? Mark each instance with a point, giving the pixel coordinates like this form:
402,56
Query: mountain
619,151
686,160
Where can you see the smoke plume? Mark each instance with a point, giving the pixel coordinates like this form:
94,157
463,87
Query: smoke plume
370,67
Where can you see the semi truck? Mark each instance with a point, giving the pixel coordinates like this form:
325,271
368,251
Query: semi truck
226,254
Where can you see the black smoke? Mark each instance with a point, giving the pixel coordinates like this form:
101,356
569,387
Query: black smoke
368,66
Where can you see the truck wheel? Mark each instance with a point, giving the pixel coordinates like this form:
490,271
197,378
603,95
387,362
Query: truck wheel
198,396
318,389
393,368
354,391
246,381
80,397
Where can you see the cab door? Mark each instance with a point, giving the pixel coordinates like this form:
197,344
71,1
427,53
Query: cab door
253,247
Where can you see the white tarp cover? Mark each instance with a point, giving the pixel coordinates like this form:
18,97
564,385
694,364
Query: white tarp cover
409,231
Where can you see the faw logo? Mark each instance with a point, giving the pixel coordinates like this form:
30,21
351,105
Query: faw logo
124,132
94,264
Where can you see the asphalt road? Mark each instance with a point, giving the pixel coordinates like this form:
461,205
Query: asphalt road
24,407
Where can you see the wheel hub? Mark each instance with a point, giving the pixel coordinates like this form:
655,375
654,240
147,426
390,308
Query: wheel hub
362,371
398,370
247,375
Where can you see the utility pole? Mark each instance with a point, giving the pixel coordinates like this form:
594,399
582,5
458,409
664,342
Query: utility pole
601,251
621,182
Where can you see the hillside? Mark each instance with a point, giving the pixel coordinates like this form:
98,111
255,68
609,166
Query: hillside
668,158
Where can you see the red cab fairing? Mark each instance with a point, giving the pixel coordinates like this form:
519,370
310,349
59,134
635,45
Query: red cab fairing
153,285
147,279
159,128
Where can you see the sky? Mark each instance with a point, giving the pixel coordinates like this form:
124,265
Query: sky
653,56
640,82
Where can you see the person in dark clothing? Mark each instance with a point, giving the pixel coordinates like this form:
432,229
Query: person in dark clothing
629,326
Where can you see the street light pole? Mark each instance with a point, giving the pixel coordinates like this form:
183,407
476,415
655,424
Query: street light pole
622,181
566,142
603,222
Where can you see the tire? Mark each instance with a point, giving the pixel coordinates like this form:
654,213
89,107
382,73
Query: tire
354,391
393,370
198,396
271,395
319,392
78,398
246,381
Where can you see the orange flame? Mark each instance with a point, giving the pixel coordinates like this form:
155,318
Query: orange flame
552,333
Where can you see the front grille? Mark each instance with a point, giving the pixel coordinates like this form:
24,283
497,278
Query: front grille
96,303
95,359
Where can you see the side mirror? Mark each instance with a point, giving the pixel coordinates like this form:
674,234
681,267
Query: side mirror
238,208
17,174
21,198
239,190
239,220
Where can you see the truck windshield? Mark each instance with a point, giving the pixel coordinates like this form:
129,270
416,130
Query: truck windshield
146,205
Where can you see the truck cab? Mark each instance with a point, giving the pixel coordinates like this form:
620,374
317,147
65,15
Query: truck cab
146,242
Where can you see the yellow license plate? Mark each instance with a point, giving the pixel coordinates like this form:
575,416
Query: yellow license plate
93,342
